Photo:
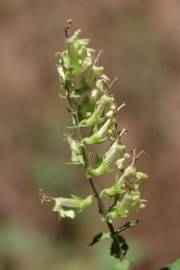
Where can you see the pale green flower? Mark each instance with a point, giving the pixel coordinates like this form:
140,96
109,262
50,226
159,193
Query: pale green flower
76,204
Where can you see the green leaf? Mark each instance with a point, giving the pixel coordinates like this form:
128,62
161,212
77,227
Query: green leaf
173,266
128,225
98,237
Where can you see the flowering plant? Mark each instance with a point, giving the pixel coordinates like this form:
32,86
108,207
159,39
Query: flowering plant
93,109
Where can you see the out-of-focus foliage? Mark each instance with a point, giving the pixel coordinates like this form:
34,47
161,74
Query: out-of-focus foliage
125,265
173,266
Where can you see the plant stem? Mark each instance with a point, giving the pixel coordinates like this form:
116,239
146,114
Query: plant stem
102,210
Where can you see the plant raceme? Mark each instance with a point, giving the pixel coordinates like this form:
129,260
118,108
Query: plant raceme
94,121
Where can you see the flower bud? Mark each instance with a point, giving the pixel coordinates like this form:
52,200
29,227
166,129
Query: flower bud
74,37
95,72
105,78
141,177
76,151
100,85
62,78
94,95
109,114
112,152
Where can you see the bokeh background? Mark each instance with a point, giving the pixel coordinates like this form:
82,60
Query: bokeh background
141,46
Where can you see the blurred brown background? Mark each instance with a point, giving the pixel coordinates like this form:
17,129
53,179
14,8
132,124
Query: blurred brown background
141,46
